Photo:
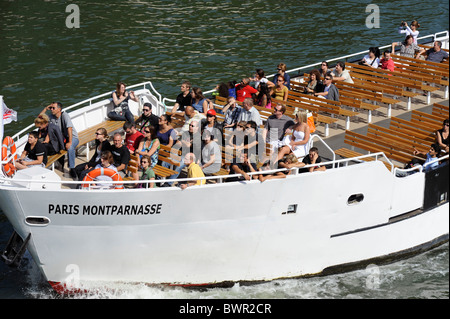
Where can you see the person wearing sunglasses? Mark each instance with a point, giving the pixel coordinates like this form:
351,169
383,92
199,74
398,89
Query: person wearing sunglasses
281,68
63,121
147,118
442,136
330,90
101,144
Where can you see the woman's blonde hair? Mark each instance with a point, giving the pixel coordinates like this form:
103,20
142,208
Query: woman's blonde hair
302,115
41,119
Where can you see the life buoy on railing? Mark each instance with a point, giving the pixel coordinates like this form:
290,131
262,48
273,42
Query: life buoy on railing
103,171
8,148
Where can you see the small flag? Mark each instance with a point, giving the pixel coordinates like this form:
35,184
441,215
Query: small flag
8,114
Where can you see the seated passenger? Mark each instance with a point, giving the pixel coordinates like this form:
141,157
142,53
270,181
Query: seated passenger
254,144
436,54
147,118
120,153
341,74
372,59
244,90
199,102
249,112
242,165
150,146
408,48
34,153
147,172
184,98
265,177
263,97
194,171
211,154
236,140
190,115
311,159
281,68
49,135
232,111
432,154
261,78
442,136
298,141
280,91
133,137
120,98
386,62
166,133
330,91
101,144
324,70
276,126
315,83
213,126
106,161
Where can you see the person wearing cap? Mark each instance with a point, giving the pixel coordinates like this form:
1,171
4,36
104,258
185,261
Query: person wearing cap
213,126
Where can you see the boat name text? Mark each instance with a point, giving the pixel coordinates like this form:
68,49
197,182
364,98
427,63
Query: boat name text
93,210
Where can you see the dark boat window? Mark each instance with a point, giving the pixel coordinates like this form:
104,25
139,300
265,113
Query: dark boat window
37,221
355,199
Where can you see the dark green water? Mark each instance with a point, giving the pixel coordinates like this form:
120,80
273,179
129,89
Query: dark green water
205,42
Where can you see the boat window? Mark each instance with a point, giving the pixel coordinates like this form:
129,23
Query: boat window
355,199
37,221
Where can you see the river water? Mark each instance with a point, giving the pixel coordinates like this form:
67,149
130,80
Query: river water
205,42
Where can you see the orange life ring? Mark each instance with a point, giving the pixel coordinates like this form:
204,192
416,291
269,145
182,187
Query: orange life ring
8,147
103,171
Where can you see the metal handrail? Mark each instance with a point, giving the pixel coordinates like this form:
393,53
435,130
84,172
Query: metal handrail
218,177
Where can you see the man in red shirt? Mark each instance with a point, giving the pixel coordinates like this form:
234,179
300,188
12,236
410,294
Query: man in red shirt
243,90
133,137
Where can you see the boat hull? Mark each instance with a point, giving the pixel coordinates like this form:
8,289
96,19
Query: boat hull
230,232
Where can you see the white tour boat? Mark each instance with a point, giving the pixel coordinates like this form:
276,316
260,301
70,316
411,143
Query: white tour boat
358,212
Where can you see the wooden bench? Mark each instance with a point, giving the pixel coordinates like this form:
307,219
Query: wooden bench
86,136
394,78
400,143
375,145
347,153
407,127
433,121
440,110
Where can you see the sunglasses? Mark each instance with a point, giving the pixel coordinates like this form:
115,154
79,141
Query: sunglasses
327,79
146,110
143,162
98,133
52,108
146,131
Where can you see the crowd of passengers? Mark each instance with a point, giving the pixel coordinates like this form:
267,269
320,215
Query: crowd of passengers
201,137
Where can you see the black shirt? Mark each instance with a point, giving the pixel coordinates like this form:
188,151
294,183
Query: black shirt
121,155
38,150
183,101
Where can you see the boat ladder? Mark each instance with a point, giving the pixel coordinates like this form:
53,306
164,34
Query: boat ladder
15,248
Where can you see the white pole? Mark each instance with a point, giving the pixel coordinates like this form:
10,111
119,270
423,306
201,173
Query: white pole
2,110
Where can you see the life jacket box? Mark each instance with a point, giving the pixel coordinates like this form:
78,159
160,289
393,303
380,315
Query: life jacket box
36,178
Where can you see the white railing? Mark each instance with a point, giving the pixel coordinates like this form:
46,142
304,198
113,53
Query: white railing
334,163
440,36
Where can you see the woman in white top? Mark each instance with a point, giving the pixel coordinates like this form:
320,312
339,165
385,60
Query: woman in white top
298,142
261,78
410,30
373,58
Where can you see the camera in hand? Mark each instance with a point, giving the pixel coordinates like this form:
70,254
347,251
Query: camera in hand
403,24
